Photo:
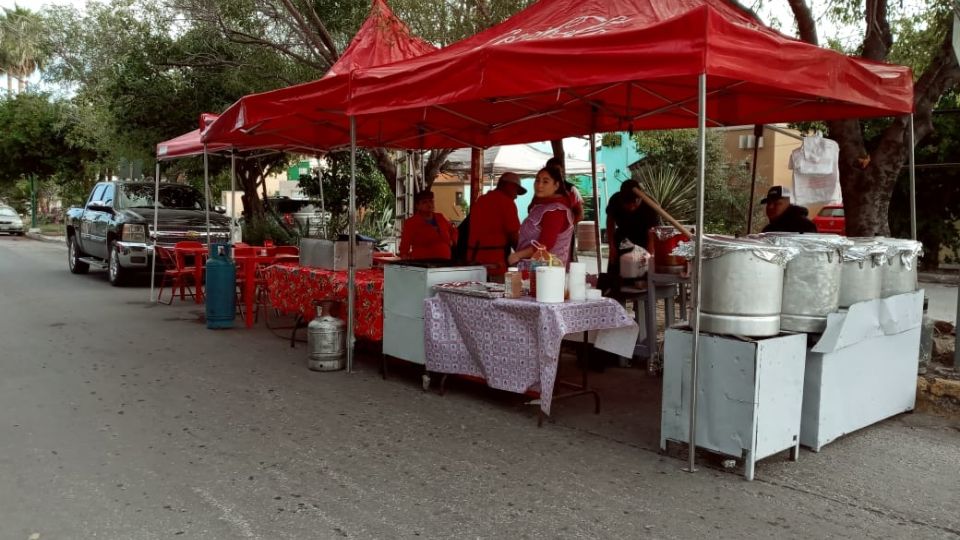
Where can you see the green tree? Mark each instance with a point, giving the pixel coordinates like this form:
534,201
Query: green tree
727,189
146,84
871,157
37,139
938,192
313,33
22,50
372,187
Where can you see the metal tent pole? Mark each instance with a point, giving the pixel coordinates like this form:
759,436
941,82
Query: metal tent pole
206,191
233,196
757,134
351,237
323,204
697,268
156,233
596,200
913,186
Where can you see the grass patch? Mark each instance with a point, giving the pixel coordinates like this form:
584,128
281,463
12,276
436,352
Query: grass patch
51,229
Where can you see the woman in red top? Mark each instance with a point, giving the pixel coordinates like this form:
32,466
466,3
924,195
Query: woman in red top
550,220
427,234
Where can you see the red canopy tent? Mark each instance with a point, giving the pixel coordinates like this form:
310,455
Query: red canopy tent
382,39
192,143
186,145
568,67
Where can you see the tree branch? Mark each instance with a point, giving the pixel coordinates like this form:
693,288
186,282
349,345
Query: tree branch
325,50
484,14
243,38
941,74
878,38
322,31
806,25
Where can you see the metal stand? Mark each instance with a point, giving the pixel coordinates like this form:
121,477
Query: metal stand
657,287
577,389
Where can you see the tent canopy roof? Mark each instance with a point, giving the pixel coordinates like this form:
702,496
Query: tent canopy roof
186,145
382,39
569,67
519,158
192,144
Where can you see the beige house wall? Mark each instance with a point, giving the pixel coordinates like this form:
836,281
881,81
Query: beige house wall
445,197
772,160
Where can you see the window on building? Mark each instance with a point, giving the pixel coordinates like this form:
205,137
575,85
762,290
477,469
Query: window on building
747,142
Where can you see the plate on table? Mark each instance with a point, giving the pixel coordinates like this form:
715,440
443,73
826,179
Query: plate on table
472,288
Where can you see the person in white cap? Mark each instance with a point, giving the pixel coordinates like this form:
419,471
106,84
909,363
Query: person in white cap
784,216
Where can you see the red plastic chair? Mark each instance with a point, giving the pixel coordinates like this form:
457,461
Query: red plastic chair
190,256
175,275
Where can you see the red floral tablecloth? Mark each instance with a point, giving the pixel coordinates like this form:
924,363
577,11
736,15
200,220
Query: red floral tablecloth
293,289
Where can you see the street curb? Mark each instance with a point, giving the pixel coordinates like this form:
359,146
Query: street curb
938,396
940,279
43,238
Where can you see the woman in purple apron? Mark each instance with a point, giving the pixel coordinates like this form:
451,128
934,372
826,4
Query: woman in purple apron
550,220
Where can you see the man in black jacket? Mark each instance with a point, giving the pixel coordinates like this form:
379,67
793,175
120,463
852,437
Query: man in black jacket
783,216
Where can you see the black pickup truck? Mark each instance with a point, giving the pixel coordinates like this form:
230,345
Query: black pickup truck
114,229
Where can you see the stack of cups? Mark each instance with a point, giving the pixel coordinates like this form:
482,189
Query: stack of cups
578,281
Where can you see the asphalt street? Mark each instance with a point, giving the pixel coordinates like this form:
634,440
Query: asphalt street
121,419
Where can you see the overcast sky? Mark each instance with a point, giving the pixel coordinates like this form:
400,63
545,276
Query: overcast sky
36,5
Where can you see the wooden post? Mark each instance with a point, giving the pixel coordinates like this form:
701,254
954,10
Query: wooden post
476,174
663,213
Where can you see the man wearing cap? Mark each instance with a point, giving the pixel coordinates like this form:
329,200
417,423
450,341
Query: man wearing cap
426,234
784,216
495,225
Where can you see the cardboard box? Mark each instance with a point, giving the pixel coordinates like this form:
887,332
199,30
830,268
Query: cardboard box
331,255
863,369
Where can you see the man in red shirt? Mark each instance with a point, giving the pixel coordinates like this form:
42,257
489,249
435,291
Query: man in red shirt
495,225
426,234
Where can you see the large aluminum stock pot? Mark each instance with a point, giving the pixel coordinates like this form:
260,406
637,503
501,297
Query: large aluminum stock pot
862,273
741,285
811,282
899,273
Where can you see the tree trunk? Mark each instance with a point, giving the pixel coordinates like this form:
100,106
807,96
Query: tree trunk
248,176
867,178
557,146
434,165
387,166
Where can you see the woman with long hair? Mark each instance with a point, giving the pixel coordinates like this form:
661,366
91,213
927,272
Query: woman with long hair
549,221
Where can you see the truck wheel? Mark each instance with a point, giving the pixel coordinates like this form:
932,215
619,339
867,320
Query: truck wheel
73,258
115,273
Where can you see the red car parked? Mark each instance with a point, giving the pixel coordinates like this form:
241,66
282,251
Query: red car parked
830,220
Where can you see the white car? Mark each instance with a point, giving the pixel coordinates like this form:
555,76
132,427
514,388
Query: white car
10,221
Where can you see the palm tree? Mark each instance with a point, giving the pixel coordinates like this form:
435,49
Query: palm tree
4,53
21,49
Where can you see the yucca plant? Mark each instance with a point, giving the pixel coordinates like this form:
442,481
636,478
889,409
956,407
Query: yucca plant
674,192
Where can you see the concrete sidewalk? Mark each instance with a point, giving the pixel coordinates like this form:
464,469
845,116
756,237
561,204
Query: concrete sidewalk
47,238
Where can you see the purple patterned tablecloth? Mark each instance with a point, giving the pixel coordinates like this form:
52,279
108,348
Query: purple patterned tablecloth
514,344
